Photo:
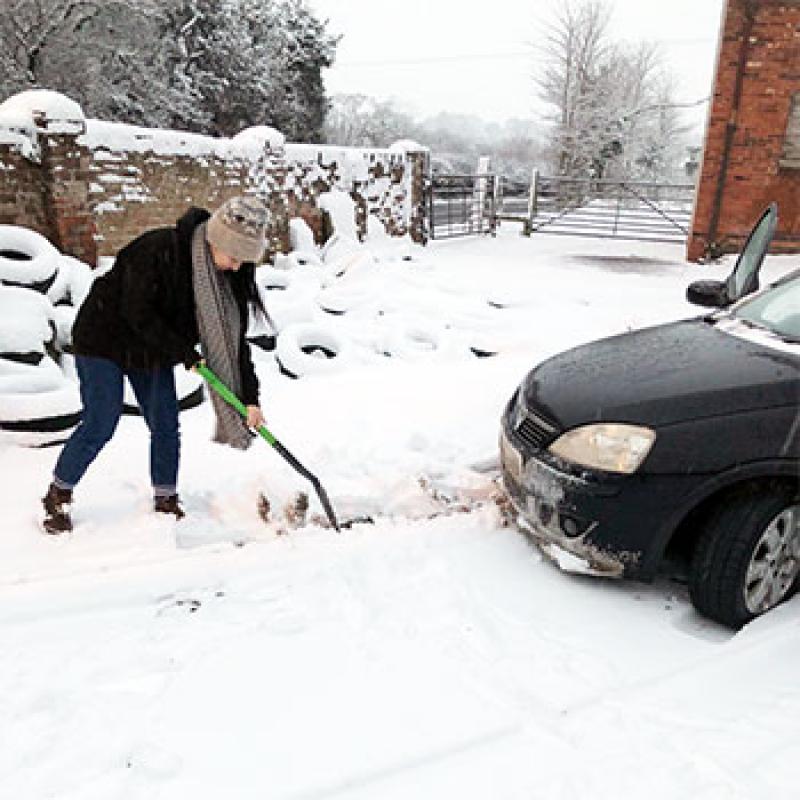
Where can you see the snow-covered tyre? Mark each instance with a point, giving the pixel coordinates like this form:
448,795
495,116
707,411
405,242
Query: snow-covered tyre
308,349
747,557
482,344
420,340
350,264
72,282
341,298
272,279
264,341
26,258
38,406
303,258
338,246
8,361
27,323
413,341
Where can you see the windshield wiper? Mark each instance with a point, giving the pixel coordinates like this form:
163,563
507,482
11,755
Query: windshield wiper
788,338
784,337
749,323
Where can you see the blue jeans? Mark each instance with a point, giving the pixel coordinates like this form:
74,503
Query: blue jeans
102,392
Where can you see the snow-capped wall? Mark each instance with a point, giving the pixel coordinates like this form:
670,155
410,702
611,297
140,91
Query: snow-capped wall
91,186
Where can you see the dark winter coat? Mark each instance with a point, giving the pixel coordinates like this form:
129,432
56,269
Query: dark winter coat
141,313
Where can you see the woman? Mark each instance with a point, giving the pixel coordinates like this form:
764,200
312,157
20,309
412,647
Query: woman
168,290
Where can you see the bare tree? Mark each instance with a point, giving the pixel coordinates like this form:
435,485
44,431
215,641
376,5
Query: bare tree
361,121
574,49
603,94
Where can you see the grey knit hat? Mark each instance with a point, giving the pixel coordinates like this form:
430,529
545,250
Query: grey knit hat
238,228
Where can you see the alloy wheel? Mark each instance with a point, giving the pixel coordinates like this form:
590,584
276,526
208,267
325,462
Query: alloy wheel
775,562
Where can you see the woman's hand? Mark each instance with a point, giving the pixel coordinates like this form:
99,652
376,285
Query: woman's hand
255,418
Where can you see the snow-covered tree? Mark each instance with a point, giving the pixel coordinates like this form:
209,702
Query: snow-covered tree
212,66
305,50
603,94
250,62
574,49
49,43
361,121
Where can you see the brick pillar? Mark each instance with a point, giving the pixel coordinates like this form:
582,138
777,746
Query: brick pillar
66,176
267,178
419,162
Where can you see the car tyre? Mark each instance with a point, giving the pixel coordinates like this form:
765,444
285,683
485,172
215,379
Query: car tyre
747,556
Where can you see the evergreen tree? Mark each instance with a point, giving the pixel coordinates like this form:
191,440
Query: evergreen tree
210,66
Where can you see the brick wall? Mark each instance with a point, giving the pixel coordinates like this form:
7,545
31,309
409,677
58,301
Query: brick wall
744,165
92,189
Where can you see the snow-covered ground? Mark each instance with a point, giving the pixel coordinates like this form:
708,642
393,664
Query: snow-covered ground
412,658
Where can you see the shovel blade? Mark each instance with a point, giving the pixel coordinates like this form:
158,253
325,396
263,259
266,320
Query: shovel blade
326,505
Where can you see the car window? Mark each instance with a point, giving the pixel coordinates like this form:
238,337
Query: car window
777,309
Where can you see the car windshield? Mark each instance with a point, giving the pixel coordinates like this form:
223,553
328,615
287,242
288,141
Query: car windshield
776,309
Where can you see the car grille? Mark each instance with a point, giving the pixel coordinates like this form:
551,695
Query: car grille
535,431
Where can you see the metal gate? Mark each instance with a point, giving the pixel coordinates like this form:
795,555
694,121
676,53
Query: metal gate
656,212
461,205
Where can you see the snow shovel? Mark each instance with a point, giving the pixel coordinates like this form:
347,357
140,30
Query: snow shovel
229,397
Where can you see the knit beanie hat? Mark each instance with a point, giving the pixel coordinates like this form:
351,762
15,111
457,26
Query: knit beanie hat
238,228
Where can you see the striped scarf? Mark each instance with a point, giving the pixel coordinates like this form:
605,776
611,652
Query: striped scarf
220,326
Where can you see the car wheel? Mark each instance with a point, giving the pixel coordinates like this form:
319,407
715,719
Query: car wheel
747,557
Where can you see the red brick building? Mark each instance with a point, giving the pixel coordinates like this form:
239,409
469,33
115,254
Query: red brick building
752,147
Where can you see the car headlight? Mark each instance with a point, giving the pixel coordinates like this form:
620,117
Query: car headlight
608,446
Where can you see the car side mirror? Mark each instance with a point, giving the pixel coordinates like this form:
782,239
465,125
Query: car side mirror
711,294
744,278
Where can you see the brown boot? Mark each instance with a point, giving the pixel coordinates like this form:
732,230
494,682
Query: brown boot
169,504
57,506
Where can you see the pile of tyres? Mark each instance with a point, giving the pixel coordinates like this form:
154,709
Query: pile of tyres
337,306
41,291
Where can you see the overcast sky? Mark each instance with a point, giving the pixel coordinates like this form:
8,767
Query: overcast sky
451,55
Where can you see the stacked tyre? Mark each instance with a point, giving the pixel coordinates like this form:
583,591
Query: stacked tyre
39,292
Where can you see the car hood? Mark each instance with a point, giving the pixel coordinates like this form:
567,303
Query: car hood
658,376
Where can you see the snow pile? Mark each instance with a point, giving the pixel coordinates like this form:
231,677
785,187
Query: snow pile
342,211
252,142
301,237
407,146
61,114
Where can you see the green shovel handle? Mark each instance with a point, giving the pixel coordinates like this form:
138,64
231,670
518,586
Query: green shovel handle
229,397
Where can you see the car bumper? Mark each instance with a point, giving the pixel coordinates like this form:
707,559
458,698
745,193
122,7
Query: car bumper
598,525
539,518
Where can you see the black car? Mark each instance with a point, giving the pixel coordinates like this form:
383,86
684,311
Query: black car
677,444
